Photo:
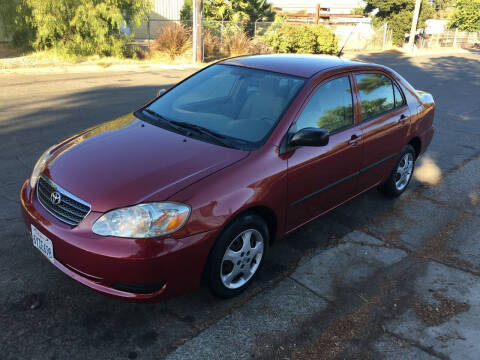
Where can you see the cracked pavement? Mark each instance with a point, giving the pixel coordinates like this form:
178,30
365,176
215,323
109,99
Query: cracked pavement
374,279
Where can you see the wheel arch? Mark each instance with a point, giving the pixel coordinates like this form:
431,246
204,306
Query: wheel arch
265,213
416,143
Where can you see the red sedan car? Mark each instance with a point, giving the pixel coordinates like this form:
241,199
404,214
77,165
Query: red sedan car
200,182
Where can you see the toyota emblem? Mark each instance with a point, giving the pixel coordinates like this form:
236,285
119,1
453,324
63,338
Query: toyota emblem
55,198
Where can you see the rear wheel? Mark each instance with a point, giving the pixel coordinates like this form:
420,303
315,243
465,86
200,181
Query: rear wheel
401,174
237,255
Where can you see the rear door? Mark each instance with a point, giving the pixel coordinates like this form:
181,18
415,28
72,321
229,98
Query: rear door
385,118
320,178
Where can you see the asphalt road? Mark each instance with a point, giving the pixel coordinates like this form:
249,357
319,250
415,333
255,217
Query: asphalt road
375,278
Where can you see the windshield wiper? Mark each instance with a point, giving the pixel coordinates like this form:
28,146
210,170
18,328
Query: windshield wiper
164,121
185,128
219,138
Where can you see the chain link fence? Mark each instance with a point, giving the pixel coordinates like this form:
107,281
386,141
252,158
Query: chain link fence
449,39
220,38
226,38
351,36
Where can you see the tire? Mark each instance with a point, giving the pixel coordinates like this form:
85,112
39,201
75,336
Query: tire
401,174
234,262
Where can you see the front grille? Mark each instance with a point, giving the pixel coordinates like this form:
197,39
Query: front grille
69,208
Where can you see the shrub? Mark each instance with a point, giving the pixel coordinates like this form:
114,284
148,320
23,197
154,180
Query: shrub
174,39
14,16
212,46
134,52
238,44
258,46
310,39
80,27
466,16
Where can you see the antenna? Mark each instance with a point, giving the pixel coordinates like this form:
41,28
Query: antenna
348,38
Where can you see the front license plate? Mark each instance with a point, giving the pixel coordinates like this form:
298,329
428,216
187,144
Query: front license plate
42,243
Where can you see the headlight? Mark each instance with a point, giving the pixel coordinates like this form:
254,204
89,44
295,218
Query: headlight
143,221
40,166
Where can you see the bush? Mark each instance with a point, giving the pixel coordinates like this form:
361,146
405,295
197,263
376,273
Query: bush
309,39
212,46
14,16
258,46
238,44
466,16
174,39
134,52
80,27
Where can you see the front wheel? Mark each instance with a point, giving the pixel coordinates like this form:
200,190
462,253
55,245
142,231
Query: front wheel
401,174
237,256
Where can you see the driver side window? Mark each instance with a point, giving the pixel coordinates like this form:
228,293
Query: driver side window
330,108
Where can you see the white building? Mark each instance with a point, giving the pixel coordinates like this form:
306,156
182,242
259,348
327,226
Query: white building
334,6
170,9
167,9
435,26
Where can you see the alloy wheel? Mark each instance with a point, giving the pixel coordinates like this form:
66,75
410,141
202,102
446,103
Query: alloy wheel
242,259
404,171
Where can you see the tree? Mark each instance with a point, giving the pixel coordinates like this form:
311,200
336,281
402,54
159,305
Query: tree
398,14
358,11
14,19
82,27
256,9
466,16
234,10
443,8
186,13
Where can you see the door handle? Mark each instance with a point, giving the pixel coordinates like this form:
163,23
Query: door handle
402,119
354,139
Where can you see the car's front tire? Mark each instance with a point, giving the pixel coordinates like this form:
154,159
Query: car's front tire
401,174
237,255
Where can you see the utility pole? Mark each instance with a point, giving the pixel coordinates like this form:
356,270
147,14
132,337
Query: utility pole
197,31
413,30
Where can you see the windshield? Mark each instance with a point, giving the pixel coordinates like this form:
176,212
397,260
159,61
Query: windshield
233,102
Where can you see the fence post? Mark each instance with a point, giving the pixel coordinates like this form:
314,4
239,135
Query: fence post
221,33
197,31
148,31
385,26
455,38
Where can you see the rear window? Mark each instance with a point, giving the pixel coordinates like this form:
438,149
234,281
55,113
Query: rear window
399,101
376,94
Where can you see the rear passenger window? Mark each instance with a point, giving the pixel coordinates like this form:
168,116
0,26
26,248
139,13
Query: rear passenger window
376,94
398,96
330,107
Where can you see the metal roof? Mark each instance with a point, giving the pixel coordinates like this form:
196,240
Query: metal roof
302,65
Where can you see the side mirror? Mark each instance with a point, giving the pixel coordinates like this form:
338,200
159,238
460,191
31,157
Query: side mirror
161,92
310,137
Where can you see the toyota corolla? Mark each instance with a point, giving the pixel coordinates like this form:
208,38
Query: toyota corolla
200,182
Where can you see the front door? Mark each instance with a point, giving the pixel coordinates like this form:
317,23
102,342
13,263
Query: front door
320,178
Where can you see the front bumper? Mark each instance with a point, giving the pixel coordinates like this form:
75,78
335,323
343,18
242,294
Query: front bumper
111,265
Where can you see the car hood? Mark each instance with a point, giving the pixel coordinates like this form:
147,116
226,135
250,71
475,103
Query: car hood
128,161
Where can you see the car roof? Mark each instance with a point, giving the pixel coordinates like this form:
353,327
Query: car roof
303,65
